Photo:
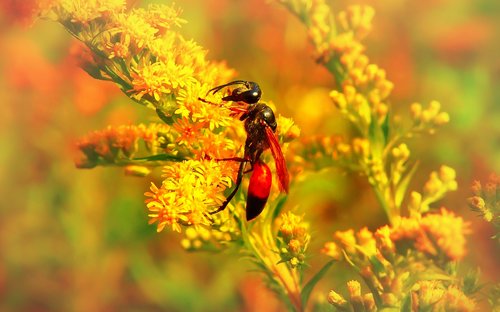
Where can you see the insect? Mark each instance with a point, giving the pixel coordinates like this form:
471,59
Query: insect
260,126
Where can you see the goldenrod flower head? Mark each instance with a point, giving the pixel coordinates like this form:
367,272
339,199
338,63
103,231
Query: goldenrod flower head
336,299
133,26
415,204
189,132
115,144
407,234
455,300
357,19
162,17
287,128
384,241
430,118
447,174
366,241
428,293
212,116
476,188
438,185
294,237
345,238
331,249
448,232
191,190
354,288
369,302
217,236
85,11
434,233
489,192
389,299
361,147
401,152
137,171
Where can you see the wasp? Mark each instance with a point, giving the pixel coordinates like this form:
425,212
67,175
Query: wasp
260,126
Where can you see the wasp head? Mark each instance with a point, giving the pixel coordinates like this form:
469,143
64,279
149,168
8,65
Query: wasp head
248,91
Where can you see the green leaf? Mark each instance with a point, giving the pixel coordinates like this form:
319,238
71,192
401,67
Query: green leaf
385,128
279,207
407,303
157,157
403,185
166,119
378,266
306,291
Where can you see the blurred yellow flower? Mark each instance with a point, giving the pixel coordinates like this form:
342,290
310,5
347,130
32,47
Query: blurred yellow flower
434,234
294,237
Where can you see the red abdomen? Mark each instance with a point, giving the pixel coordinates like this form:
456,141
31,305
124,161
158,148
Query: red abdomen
258,189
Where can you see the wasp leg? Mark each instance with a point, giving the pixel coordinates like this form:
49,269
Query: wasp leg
237,159
238,183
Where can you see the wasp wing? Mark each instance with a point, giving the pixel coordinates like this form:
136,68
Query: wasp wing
279,159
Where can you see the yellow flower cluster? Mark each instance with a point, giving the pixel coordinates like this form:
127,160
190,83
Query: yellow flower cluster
434,296
428,119
440,235
143,53
189,192
435,188
362,97
293,236
215,238
425,296
119,145
486,201
384,258
355,302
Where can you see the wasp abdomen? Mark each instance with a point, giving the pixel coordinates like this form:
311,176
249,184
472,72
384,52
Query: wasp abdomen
258,189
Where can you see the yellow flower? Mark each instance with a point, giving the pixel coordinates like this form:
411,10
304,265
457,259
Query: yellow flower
294,236
383,237
354,288
85,11
118,49
287,128
455,300
137,171
188,132
448,232
162,17
357,19
150,79
191,190
435,232
346,239
331,249
336,299
366,242
135,28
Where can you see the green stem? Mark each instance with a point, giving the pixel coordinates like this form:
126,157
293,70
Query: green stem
383,203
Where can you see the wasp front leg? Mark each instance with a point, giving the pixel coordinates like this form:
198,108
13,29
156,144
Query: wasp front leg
239,178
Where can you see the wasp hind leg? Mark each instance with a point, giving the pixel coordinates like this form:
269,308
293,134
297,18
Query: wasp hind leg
239,178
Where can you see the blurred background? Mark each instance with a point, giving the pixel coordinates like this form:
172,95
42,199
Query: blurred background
78,240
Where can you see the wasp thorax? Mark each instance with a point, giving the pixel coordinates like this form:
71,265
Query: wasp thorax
268,116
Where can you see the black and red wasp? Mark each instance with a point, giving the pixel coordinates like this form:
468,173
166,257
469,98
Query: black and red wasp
260,126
